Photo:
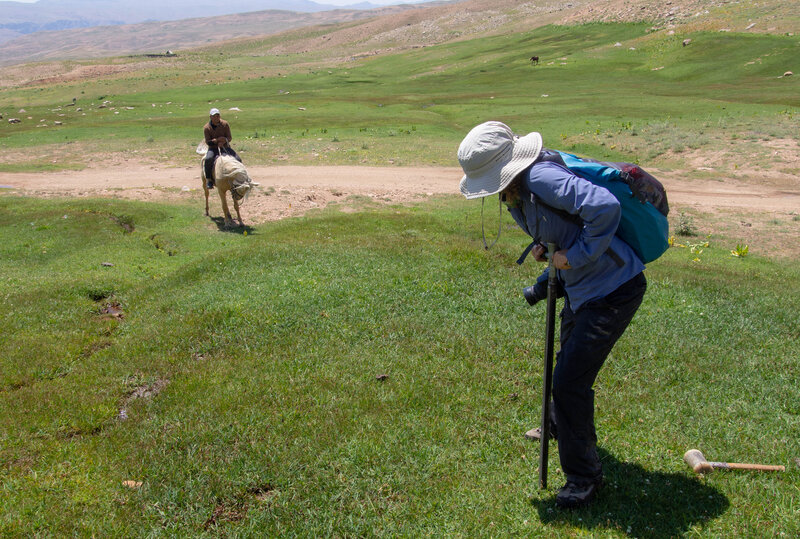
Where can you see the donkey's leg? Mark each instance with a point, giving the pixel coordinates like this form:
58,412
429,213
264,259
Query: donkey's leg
206,191
203,181
238,215
225,210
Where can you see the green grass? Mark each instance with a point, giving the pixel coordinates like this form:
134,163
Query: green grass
234,375
246,366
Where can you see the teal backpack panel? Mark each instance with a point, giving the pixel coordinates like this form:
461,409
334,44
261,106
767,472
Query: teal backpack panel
590,170
642,225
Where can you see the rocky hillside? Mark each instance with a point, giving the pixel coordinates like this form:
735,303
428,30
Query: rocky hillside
54,15
773,16
472,18
348,33
155,37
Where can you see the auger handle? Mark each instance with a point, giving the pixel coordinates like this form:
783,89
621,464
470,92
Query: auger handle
547,378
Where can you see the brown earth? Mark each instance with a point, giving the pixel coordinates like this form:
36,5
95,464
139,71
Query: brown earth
762,215
286,191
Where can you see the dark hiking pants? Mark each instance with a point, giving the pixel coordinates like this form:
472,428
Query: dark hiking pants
211,156
587,338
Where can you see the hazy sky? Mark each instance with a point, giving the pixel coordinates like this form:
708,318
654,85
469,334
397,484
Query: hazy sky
331,2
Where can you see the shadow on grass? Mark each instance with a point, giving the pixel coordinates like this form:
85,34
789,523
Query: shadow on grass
235,229
641,503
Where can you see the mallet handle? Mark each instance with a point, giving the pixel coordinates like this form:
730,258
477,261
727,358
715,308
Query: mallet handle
741,466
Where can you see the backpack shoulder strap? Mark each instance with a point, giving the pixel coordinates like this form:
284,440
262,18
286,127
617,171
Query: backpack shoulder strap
551,156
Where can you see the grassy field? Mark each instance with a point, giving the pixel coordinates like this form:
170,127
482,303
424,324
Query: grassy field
234,380
372,373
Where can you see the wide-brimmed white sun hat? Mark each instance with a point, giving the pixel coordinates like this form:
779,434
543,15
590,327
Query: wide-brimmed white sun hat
212,112
491,155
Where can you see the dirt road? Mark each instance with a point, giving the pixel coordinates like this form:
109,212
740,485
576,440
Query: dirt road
292,190
765,217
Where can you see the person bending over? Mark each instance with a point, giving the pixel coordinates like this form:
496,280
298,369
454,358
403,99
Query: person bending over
600,275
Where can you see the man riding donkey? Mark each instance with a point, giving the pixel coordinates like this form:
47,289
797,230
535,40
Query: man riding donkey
217,133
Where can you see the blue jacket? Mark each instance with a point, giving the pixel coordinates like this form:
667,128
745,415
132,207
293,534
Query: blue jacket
595,273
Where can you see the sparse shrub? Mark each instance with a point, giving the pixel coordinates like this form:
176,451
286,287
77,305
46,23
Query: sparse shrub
685,225
740,251
697,248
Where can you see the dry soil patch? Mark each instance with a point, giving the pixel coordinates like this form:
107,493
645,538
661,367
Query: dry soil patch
288,191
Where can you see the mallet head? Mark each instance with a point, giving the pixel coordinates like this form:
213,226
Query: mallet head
697,462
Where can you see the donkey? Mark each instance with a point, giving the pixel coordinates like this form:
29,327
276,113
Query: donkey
229,175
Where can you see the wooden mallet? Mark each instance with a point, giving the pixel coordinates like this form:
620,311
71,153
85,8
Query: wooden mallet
697,462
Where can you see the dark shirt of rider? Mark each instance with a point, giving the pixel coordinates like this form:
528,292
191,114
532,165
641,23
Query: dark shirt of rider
217,132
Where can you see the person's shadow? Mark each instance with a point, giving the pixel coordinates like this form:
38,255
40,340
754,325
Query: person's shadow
640,503
236,229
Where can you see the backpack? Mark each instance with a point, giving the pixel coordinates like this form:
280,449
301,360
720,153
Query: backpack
643,200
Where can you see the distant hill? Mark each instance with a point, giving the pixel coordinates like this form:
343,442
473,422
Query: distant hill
90,41
50,15
350,32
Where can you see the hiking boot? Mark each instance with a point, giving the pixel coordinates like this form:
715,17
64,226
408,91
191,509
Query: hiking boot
536,434
574,495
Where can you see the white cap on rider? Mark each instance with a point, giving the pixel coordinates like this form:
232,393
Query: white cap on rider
213,112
